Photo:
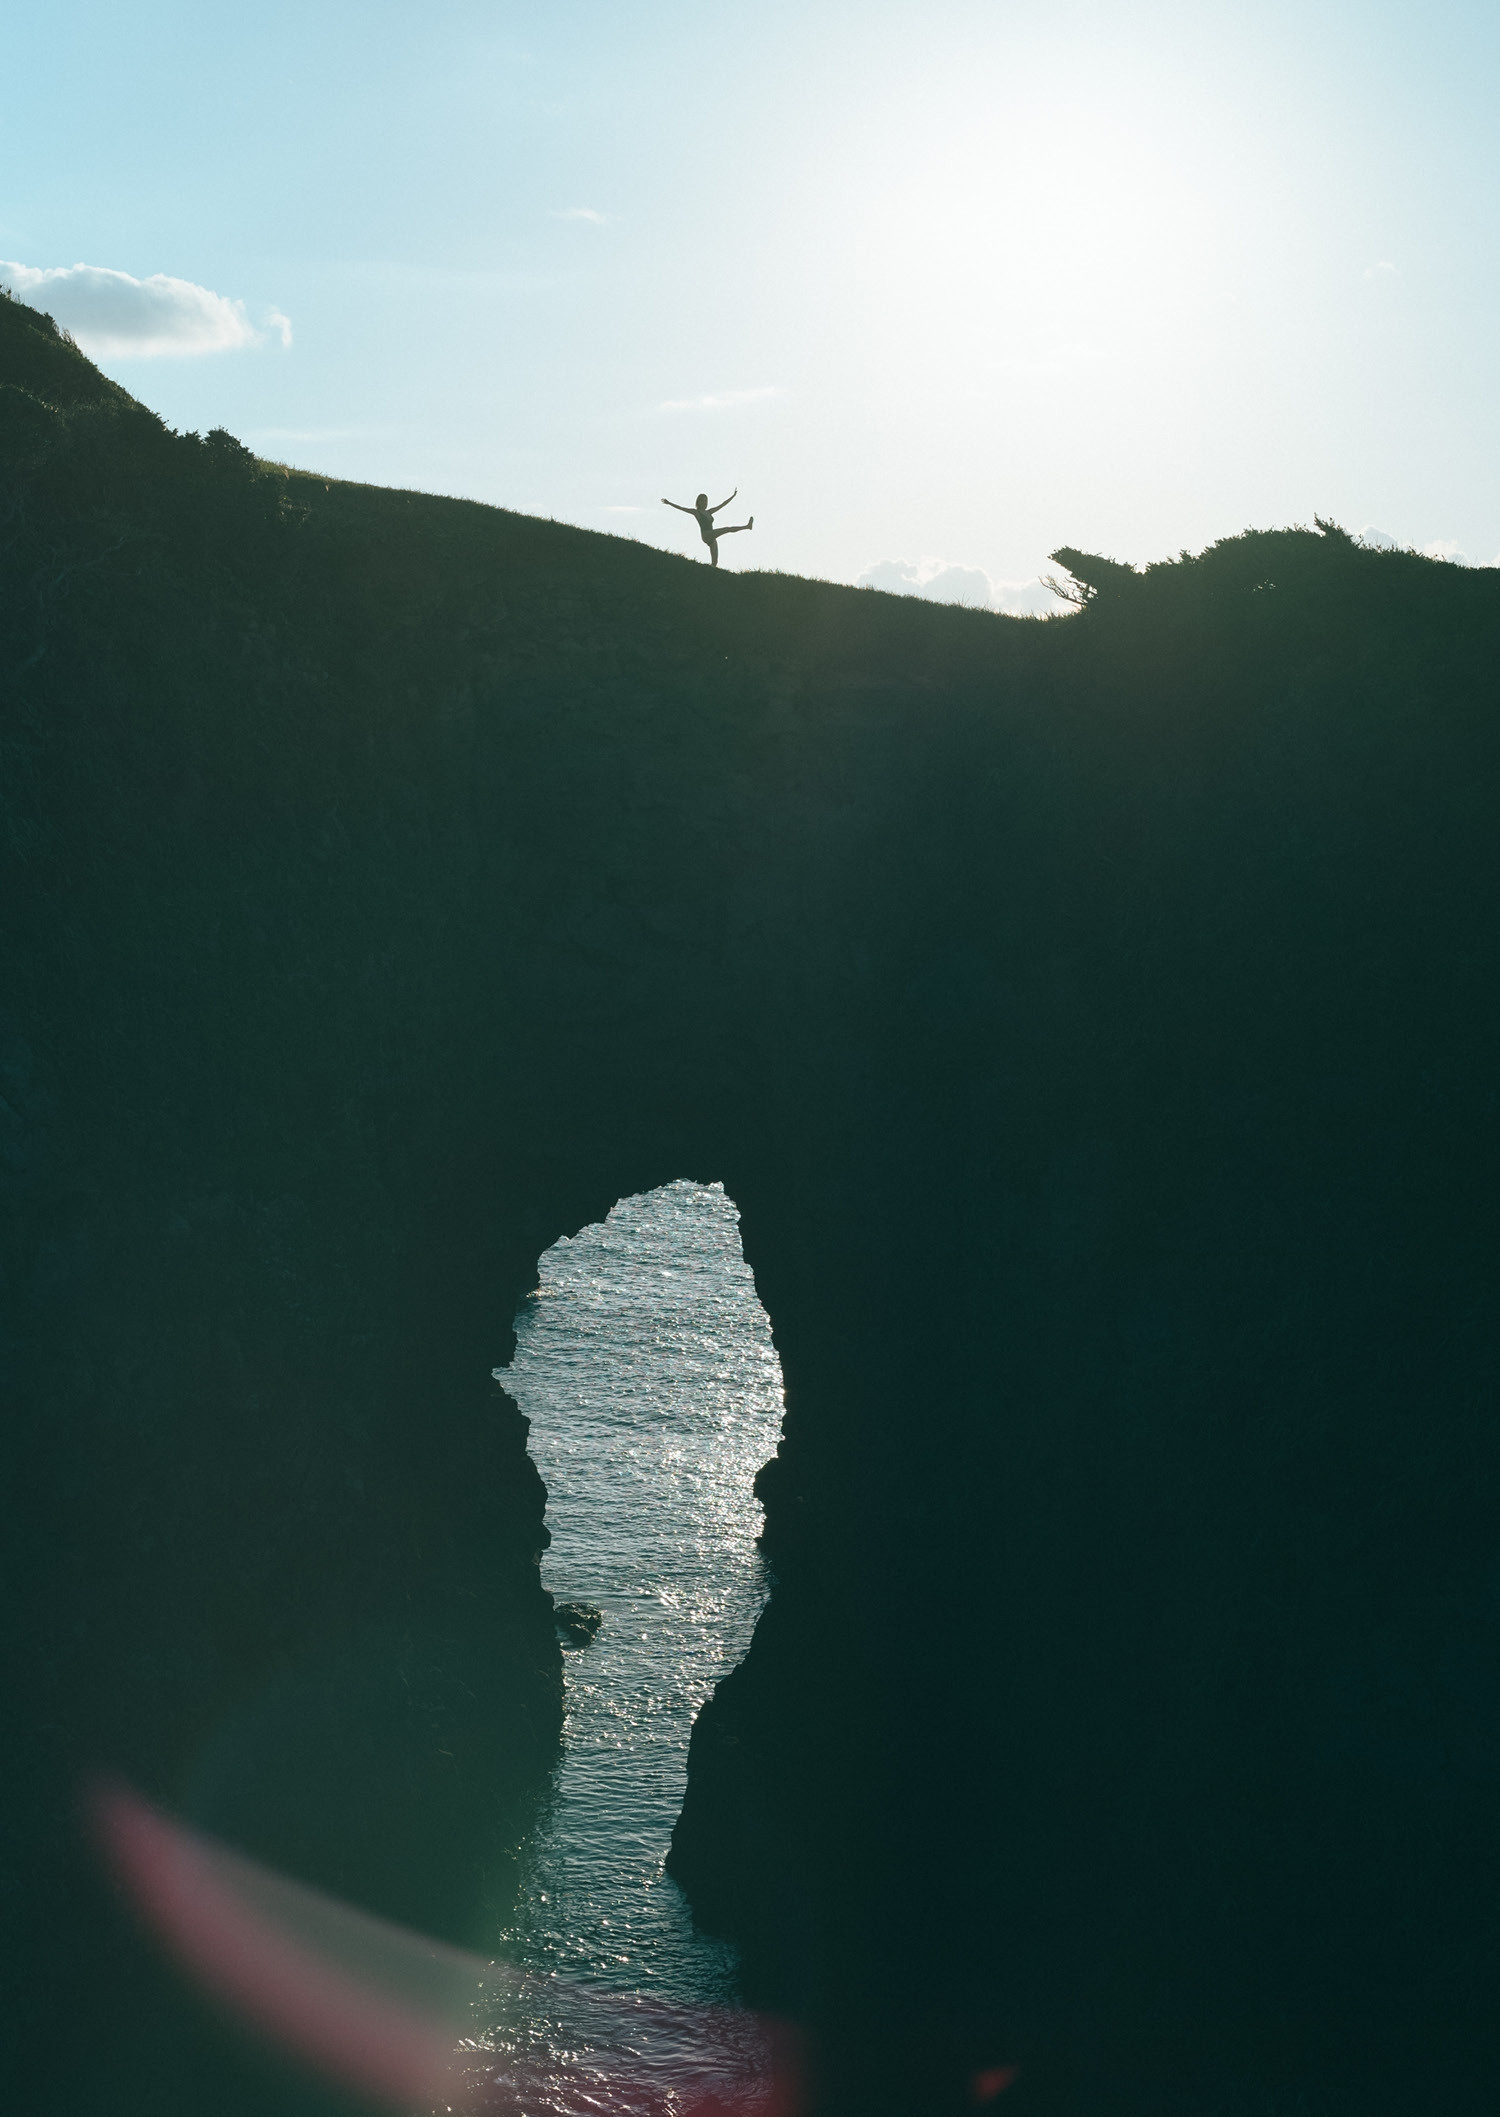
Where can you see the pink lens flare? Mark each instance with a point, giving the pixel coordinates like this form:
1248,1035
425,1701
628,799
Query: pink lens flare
393,2014
217,1916
993,2081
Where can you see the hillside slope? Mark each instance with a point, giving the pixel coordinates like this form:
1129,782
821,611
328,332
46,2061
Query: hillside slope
1096,1026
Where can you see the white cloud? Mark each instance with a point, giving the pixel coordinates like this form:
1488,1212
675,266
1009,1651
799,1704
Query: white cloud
1447,548
1381,269
582,213
939,581
1441,548
114,316
932,578
624,510
312,433
718,400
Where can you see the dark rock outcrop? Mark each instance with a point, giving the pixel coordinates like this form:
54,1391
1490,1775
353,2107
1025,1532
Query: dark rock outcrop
578,1622
1096,1025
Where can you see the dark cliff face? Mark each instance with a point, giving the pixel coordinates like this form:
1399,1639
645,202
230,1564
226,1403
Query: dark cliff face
1095,1025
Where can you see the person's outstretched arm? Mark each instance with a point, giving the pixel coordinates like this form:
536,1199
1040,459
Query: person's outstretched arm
679,506
723,503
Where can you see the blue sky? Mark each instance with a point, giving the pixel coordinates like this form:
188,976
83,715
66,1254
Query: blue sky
938,285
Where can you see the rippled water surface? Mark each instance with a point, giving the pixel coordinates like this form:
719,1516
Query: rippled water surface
646,1367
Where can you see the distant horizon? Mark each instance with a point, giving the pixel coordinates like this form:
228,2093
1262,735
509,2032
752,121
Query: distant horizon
937,293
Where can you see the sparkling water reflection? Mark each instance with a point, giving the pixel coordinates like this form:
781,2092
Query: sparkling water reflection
646,1367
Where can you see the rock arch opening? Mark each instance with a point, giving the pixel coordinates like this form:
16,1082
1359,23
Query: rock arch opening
645,1366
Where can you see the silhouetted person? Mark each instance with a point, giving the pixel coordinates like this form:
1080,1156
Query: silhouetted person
703,514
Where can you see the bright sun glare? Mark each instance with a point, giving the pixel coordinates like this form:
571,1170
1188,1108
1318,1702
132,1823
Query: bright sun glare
1067,237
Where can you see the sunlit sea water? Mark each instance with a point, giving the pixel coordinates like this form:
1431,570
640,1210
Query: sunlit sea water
646,1368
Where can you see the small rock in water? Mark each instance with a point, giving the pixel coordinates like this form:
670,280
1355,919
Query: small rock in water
578,1621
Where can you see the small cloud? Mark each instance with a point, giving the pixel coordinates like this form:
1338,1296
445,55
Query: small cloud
624,510
581,213
718,400
1381,269
1446,548
939,581
275,321
310,433
112,315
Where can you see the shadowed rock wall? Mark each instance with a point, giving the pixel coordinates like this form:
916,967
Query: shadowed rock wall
1095,1025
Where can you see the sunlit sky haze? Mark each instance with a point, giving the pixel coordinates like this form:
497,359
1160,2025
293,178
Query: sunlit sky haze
936,286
